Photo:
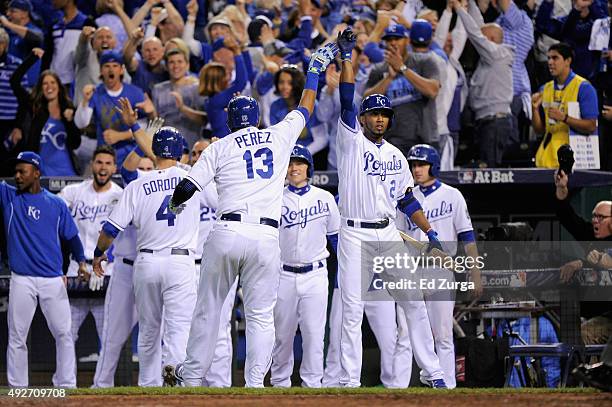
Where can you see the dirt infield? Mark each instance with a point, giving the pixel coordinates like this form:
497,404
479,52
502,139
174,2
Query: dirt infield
446,398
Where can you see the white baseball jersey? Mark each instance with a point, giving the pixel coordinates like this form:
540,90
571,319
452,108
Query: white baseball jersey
249,167
305,220
371,178
446,211
208,207
145,204
89,209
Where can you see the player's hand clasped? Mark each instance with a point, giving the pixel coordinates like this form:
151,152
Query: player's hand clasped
322,58
346,42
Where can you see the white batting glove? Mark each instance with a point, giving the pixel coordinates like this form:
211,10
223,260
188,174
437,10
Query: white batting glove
95,282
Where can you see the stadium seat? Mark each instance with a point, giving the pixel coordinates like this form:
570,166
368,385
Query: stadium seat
565,352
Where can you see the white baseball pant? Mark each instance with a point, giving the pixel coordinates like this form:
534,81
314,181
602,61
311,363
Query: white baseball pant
252,251
440,315
162,283
120,317
53,298
381,318
349,268
220,372
302,299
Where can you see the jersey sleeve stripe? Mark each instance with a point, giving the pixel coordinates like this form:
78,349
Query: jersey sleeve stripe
346,126
198,186
115,224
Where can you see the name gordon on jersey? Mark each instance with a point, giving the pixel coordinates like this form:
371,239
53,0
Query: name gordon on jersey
303,216
158,185
381,168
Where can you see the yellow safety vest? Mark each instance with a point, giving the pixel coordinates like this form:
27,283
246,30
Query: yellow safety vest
557,133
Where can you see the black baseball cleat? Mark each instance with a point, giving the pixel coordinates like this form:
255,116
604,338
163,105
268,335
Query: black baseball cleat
598,375
172,377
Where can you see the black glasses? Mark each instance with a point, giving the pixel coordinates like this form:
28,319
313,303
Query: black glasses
599,218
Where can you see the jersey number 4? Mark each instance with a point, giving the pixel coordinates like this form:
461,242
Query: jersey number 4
268,162
163,213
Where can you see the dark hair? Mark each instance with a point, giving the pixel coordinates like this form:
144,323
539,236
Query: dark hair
564,49
39,102
254,30
105,149
297,81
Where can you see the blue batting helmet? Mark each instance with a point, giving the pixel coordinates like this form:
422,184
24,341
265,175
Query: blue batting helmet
377,102
168,143
428,154
242,111
302,153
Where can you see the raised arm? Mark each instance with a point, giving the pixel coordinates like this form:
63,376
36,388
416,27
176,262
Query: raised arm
318,63
348,113
189,30
129,49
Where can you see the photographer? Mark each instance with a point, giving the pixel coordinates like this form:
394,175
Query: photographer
597,328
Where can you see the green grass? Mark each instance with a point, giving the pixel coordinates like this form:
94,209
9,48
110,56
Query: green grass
298,391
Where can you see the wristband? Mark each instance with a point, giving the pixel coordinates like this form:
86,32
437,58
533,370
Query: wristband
565,118
312,81
139,151
98,252
135,127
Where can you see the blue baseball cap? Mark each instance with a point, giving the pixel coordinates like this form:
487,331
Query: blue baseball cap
110,56
395,31
421,31
24,5
29,157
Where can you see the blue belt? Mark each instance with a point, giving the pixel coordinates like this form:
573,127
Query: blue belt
302,269
368,225
182,252
236,217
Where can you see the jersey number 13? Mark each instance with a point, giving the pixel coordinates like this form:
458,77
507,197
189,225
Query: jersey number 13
268,162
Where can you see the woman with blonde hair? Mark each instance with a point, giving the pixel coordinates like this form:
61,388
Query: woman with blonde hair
215,85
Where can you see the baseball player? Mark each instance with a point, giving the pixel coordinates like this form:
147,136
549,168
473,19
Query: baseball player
90,202
35,220
120,314
163,270
220,373
374,180
249,168
308,215
446,210
382,320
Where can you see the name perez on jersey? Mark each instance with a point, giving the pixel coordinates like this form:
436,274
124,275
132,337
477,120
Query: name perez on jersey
292,218
253,138
158,185
379,168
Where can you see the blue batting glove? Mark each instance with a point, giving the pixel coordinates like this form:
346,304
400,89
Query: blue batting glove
434,242
322,57
346,42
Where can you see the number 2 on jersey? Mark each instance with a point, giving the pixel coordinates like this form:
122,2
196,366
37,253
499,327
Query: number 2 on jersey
267,162
163,213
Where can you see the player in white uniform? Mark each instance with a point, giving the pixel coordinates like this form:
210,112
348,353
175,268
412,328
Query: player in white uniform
374,179
90,202
382,320
120,314
220,373
446,210
309,217
249,168
163,270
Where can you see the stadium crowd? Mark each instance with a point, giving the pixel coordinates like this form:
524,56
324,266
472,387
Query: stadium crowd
491,84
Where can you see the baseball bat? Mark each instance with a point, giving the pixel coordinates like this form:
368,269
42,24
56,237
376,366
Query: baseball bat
421,247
